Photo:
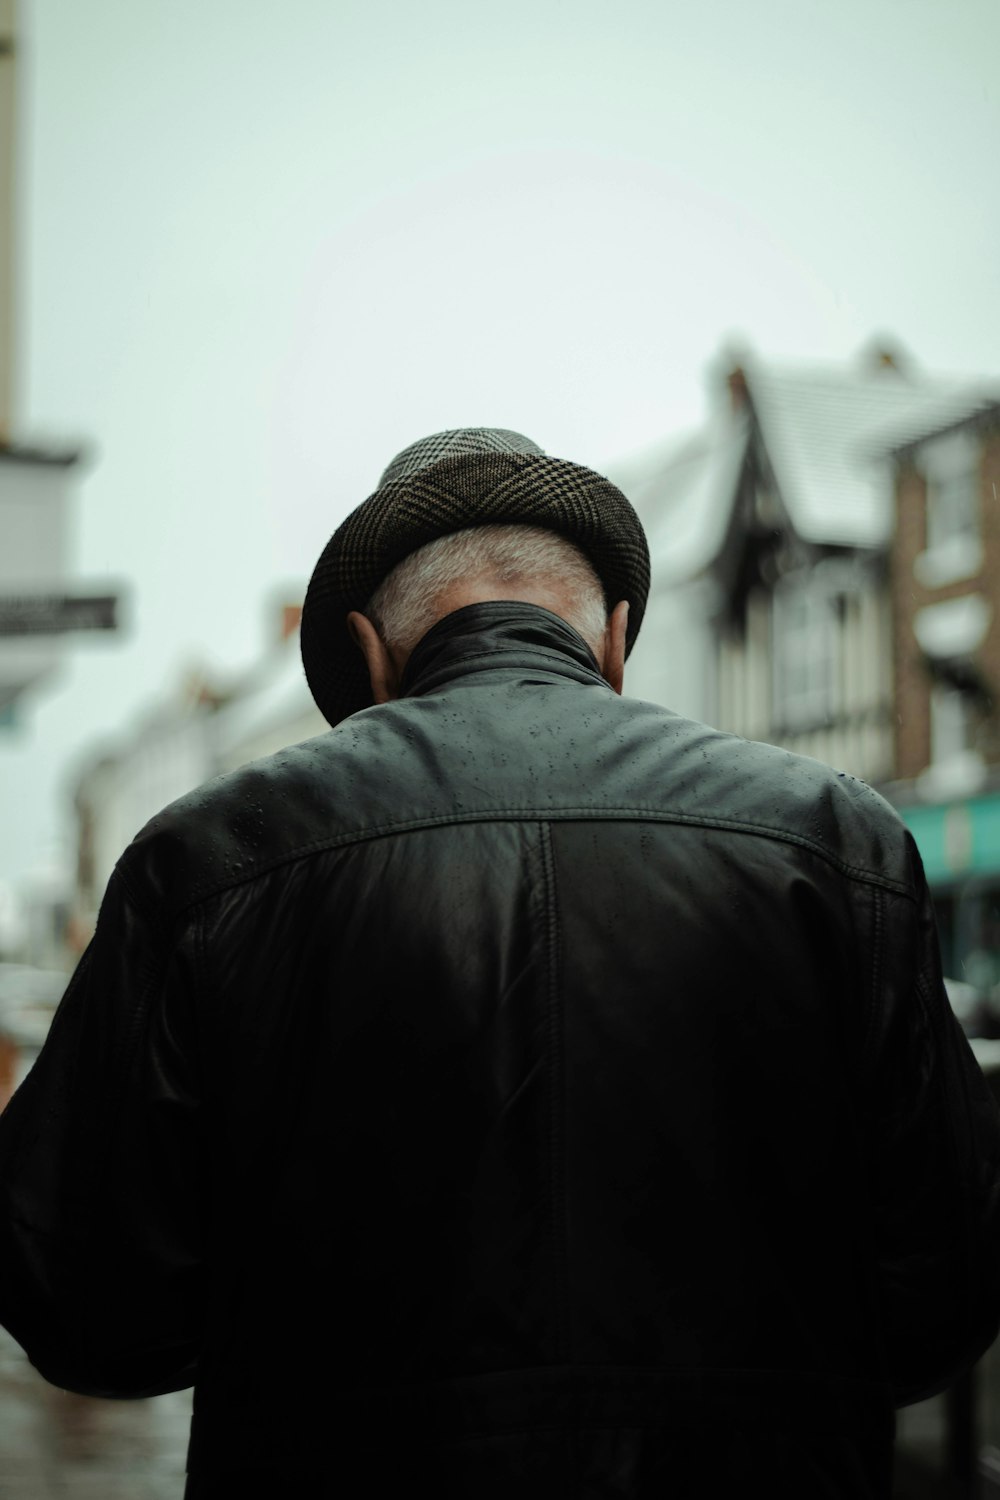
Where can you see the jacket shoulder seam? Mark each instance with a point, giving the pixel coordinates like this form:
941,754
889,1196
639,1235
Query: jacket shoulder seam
373,832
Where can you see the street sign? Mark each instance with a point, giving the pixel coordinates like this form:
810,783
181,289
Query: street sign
56,614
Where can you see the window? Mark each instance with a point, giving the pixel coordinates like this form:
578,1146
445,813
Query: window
957,768
806,636
952,723
951,468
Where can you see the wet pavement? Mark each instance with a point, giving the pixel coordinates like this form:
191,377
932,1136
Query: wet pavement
58,1446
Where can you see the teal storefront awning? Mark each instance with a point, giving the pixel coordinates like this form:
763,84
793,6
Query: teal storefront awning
957,838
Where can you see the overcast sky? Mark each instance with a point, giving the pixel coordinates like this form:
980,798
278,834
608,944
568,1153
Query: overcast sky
263,247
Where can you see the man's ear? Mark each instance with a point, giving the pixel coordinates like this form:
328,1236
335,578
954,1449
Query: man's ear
381,667
613,665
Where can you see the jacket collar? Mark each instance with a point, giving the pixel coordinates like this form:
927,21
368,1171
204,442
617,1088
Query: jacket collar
500,634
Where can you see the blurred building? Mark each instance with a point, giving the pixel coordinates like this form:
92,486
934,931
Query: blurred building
166,753
826,562
38,610
944,585
35,481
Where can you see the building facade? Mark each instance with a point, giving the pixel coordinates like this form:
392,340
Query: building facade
944,586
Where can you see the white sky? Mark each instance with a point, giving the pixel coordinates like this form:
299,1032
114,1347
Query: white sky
266,246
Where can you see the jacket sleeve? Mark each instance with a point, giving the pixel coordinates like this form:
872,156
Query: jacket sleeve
935,1130
101,1166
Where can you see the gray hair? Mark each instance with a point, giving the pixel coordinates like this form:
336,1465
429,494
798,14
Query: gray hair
405,604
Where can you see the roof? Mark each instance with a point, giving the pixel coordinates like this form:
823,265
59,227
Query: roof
941,415
827,433
678,487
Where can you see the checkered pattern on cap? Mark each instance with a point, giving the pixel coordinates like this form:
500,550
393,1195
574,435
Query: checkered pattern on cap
488,486
451,444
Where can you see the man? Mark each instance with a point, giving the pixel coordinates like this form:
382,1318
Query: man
517,1091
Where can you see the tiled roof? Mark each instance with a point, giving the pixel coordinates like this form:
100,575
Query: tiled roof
938,413
827,433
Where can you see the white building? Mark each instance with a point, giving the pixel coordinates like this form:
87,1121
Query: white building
769,532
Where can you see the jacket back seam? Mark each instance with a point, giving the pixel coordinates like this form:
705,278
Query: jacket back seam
556,1112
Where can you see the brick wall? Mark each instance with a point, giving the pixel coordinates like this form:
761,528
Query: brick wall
911,734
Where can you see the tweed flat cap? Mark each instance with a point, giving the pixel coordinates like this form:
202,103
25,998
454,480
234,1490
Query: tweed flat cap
472,476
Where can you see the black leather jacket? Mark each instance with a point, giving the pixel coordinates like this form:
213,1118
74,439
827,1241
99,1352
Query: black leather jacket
520,1086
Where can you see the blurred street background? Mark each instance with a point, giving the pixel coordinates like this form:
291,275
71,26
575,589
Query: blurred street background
55,1445
740,258
58,1446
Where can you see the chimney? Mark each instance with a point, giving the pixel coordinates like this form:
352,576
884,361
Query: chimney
883,353
737,383
291,614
